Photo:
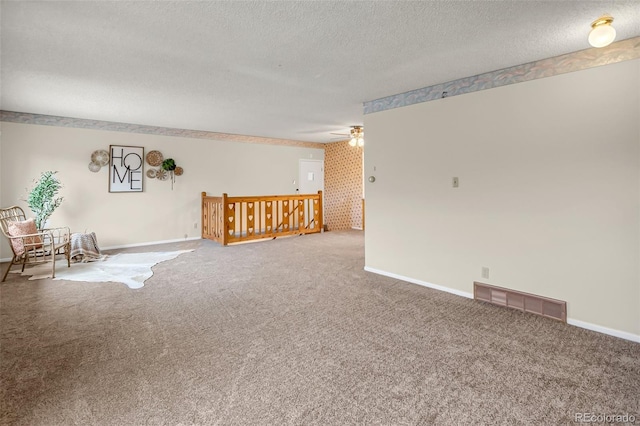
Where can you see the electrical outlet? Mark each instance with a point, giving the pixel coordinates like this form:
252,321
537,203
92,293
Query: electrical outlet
195,225
186,236
485,272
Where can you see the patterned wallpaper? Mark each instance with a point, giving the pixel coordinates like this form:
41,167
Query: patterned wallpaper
624,50
342,186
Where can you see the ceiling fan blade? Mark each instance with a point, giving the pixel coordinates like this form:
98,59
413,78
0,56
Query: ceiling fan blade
339,134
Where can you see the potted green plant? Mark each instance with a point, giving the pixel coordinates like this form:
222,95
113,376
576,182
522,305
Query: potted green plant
170,165
42,198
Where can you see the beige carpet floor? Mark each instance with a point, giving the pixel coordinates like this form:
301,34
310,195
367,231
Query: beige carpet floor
293,332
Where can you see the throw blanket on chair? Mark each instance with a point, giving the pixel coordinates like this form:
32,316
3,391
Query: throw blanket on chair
84,248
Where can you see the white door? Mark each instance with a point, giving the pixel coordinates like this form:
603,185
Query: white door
311,177
311,180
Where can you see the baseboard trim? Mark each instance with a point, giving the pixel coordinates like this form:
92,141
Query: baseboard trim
420,282
577,323
604,330
151,243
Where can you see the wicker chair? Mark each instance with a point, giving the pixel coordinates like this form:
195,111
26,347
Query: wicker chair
37,247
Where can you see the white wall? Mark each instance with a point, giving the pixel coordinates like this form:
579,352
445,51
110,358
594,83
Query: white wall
157,214
549,195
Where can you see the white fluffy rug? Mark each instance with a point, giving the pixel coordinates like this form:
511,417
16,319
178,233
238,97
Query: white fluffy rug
132,269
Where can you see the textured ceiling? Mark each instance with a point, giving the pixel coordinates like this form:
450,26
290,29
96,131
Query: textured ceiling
294,70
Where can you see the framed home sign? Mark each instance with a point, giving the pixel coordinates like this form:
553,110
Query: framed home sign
125,168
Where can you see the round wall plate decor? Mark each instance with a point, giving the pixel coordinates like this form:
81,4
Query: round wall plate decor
154,158
100,157
151,173
162,174
178,171
94,167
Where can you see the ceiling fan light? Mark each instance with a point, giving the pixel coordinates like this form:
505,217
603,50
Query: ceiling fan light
357,136
602,33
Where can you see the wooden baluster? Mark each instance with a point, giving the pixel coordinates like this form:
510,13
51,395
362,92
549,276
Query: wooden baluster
204,215
301,217
268,213
227,222
250,219
221,219
260,209
256,212
208,219
212,222
285,215
208,222
218,221
319,212
294,215
241,219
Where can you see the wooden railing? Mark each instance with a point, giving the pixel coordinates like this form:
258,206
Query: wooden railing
235,219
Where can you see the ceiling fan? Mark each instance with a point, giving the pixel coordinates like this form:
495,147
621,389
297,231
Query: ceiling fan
356,135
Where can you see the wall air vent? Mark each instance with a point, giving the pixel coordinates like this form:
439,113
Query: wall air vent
550,308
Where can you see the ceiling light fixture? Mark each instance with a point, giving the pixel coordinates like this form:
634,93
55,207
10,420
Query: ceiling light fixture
357,136
602,33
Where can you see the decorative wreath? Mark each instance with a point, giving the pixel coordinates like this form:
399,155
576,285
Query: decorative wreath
154,158
100,157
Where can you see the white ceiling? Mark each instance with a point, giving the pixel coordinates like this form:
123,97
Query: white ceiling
284,69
